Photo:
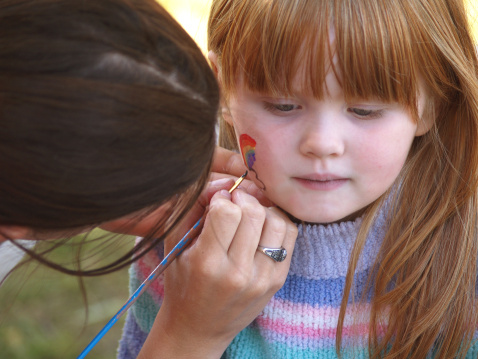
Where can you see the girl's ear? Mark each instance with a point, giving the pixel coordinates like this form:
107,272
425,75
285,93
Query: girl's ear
424,125
216,68
212,57
426,109
426,120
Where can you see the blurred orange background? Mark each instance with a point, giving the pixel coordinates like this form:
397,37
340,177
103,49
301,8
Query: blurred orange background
192,15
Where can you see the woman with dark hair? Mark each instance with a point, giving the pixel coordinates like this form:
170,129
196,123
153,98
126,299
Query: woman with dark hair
107,118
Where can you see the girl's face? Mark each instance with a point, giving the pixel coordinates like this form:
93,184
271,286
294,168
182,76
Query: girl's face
322,161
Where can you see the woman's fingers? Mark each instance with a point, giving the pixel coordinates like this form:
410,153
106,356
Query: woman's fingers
229,164
198,210
221,224
226,161
248,233
247,185
204,199
234,227
227,167
279,232
221,283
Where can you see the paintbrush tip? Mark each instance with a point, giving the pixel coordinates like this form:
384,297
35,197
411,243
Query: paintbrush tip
238,182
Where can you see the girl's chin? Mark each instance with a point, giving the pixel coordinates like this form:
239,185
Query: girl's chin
308,220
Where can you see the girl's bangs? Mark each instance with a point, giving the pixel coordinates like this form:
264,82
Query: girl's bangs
367,44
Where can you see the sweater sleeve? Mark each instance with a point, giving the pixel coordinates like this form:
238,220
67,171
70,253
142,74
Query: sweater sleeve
141,315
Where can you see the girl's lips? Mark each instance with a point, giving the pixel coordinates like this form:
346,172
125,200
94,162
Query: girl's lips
321,183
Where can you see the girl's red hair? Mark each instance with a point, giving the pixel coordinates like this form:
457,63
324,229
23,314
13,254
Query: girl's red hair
424,280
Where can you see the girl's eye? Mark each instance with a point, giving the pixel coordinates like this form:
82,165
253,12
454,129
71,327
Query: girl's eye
278,107
363,113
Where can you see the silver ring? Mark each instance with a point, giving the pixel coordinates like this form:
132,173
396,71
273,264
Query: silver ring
276,254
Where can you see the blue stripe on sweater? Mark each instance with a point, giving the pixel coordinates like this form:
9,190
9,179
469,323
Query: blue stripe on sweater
322,292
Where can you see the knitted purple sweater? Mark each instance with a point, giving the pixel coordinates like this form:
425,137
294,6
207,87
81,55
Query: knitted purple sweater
300,321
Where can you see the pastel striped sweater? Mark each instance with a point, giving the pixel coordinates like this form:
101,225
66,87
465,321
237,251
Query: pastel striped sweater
300,321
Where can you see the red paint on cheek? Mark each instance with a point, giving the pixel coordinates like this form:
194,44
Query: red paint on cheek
248,149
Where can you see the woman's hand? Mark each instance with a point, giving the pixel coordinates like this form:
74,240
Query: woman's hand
141,225
221,282
229,164
226,168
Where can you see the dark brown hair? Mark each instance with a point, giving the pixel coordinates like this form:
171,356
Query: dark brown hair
107,108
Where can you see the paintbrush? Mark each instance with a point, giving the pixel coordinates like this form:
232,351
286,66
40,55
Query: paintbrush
176,251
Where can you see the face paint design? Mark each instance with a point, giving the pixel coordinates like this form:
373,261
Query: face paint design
248,150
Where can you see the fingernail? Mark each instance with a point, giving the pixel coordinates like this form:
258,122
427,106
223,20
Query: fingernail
225,193
221,182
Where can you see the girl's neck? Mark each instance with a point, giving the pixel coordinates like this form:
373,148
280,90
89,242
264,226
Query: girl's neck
350,218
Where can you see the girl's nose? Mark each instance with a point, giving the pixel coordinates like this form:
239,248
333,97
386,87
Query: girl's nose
322,138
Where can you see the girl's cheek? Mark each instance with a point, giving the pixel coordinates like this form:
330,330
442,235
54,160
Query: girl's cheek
248,150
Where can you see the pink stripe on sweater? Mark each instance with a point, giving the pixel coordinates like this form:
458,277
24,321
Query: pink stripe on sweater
298,313
303,332
144,269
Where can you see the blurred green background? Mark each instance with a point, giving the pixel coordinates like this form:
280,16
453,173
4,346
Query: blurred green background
42,312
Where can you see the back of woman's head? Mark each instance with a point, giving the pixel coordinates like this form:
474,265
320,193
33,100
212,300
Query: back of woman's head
106,108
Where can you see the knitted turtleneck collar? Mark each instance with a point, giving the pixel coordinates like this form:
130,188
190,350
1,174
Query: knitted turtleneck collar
323,251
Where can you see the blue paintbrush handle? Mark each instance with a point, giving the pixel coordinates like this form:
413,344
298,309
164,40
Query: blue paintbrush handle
176,251
182,244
